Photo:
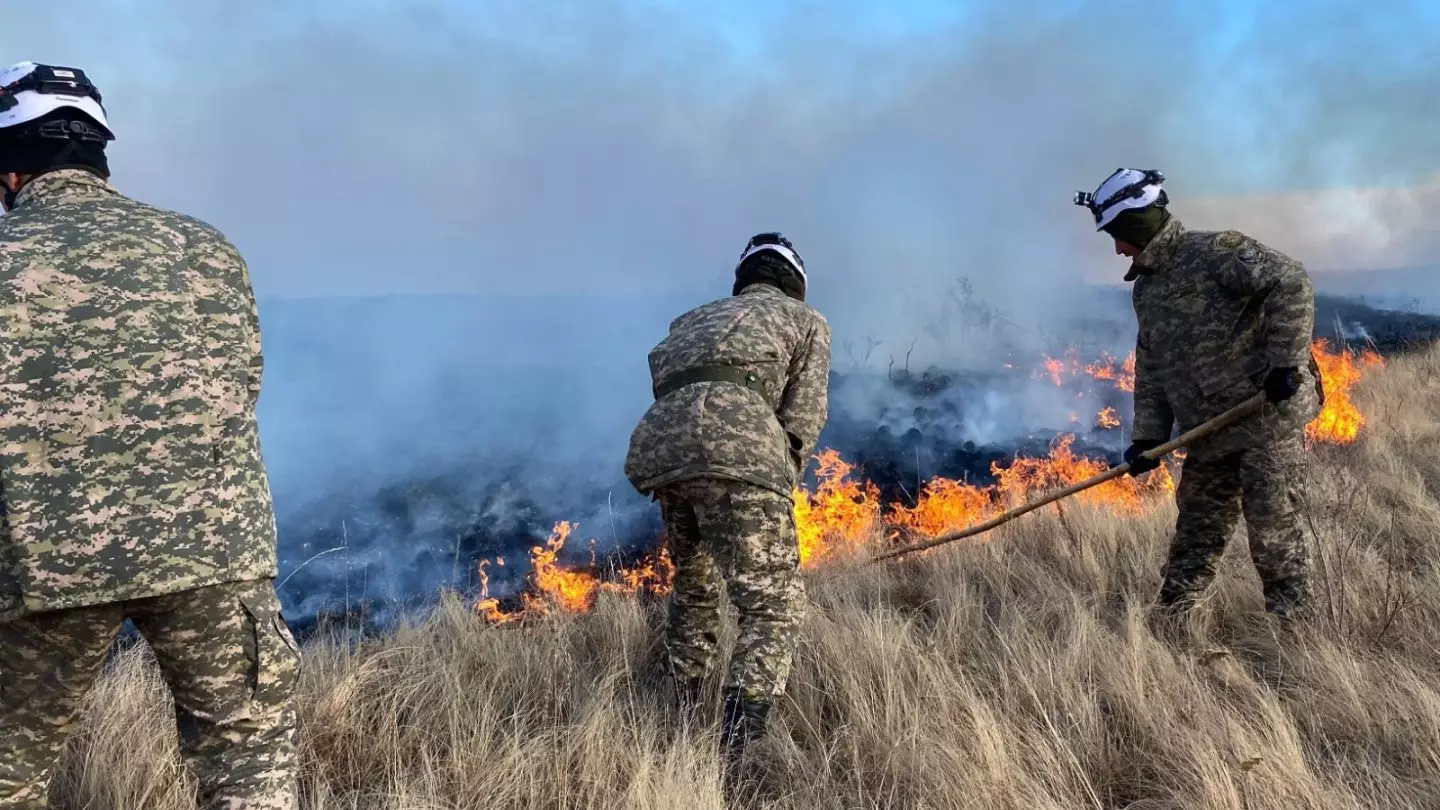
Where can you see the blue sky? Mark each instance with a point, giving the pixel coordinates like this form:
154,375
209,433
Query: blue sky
340,142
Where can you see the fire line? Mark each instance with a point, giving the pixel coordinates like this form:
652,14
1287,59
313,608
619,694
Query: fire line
844,515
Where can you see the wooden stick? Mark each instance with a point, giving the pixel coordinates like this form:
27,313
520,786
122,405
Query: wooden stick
1198,432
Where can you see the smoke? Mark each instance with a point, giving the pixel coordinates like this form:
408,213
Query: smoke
469,222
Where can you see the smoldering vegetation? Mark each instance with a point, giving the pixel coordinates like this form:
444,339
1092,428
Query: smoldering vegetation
410,512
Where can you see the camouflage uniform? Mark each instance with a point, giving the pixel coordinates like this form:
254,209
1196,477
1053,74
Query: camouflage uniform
133,487
1217,311
723,458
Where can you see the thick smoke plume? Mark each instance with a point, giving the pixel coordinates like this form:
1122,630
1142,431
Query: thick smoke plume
468,222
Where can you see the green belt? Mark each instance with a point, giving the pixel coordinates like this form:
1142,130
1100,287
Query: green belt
699,374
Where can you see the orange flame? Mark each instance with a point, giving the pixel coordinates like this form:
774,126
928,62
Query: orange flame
1339,421
844,515
487,606
1126,382
1028,477
1107,419
841,515
1056,368
1105,369
1119,373
946,505
556,588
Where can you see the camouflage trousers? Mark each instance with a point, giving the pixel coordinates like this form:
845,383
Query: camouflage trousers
741,536
1263,483
230,663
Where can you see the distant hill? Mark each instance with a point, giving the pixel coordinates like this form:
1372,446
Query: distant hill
1411,289
1383,320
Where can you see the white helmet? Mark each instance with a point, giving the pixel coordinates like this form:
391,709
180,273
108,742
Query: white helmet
29,91
774,242
1123,190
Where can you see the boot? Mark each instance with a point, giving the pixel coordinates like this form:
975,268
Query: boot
1286,620
1286,601
743,724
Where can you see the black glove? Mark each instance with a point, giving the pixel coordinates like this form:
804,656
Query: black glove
1138,464
1282,383
796,460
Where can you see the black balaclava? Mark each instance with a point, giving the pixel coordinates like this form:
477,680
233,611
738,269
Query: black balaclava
1138,226
769,267
64,139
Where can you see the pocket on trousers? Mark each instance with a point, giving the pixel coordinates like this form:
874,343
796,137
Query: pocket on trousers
276,665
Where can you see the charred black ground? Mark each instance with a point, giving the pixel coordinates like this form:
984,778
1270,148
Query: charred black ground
362,557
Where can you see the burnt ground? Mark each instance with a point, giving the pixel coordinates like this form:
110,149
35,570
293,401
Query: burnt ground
384,551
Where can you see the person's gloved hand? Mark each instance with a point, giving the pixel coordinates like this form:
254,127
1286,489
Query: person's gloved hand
1140,465
1282,383
796,460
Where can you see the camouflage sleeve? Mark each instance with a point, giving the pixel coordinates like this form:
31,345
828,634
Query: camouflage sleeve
222,263
1153,415
1286,297
804,407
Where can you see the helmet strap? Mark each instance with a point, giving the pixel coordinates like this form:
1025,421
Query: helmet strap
60,143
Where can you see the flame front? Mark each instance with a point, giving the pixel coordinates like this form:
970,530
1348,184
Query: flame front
844,514
1339,421
556,588
946,505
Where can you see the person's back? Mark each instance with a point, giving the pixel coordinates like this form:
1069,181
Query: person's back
756,431
128,451
131,480
1216,310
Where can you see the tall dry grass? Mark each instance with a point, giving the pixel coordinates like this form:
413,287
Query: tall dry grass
1017,672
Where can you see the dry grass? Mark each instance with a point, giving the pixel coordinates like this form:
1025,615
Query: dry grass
1014,673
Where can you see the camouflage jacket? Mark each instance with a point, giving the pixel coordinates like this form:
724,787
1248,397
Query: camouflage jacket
723,429
1217,311
129,371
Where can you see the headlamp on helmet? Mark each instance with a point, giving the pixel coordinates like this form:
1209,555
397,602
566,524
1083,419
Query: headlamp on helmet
1122,190
49,80
30,93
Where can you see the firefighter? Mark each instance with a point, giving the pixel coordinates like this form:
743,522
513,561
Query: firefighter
740,387
131,479
1221,317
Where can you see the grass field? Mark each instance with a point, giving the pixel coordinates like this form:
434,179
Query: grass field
1013,673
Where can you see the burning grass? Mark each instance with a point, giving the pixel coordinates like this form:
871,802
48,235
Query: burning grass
1340,420
844,516
1013,673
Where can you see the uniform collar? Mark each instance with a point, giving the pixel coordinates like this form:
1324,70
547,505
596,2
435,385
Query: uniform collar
761,288
1156,255
63,184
